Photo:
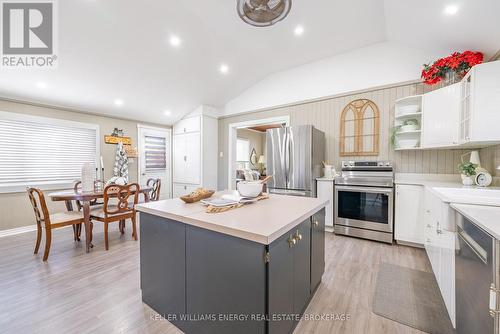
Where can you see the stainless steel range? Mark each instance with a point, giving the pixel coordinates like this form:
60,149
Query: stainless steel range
364,200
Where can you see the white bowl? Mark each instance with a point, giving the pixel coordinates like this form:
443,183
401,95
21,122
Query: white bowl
249,189
409,109
405,128
408,142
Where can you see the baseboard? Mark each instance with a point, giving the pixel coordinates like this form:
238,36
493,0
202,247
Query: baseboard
17,230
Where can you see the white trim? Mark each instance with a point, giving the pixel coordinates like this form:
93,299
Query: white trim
13,116
232,136
17,230
169,156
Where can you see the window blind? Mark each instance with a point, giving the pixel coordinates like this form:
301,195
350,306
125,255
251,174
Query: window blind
35,152
155,149
242,150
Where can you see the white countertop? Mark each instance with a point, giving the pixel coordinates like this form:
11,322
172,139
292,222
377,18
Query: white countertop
262,222
330,179
486,217
449,188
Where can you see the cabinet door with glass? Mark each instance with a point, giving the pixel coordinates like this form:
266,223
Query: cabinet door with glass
465,109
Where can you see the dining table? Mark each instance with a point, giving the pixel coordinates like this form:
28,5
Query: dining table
86,198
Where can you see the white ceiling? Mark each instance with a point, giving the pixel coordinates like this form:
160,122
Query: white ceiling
119,49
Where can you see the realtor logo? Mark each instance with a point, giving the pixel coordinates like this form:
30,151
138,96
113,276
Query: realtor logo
28,30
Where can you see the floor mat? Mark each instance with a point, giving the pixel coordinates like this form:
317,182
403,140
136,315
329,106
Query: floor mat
411,297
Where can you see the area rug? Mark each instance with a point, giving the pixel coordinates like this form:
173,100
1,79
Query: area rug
411,297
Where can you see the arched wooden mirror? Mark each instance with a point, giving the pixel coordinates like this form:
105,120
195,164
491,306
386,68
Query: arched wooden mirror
359,129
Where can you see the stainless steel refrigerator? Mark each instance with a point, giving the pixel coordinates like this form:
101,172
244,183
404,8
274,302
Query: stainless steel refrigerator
294,155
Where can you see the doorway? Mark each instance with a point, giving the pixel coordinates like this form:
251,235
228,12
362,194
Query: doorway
155,157
247,148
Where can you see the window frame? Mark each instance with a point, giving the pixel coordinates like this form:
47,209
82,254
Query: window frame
48,185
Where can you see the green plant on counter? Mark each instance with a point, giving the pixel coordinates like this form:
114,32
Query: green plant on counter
467,168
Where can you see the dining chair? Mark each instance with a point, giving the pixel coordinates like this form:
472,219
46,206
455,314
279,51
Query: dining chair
122,210
98,184
155,185
50,222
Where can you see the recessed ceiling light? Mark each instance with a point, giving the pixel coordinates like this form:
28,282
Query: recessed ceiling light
175,41
167,113
298,31
118,102
41,85
451,9
224,68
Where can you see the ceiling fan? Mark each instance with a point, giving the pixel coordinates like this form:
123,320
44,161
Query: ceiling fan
263,13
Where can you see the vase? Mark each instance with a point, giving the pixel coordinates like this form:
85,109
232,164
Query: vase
88,177
467,181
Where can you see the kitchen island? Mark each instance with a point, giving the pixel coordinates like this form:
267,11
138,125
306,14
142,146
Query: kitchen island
248,270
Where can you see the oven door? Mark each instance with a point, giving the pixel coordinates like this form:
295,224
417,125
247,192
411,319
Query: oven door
364,207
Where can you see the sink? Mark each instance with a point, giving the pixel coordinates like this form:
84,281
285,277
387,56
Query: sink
465,195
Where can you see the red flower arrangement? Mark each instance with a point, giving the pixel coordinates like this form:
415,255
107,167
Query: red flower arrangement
458,62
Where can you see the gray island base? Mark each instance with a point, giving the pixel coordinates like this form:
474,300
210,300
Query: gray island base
249,270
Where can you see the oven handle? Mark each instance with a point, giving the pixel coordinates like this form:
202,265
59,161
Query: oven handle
366,189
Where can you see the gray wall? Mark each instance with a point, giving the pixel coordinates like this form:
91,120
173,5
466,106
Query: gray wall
325,115
15,209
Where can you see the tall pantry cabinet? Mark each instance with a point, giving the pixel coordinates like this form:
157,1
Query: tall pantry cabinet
195,146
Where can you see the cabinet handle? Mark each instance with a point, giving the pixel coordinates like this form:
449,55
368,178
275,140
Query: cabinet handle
315,223
185,158
429,225
184,129
438,229
185,187
298,236
428,240
291,241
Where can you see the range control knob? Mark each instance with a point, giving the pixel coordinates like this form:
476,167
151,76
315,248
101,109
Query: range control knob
388,164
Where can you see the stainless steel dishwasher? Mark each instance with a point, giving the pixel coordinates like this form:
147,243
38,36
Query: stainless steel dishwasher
476,279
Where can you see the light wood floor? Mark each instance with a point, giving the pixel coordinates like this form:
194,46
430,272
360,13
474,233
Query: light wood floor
99,292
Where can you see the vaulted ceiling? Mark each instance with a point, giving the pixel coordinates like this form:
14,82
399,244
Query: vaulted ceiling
120,49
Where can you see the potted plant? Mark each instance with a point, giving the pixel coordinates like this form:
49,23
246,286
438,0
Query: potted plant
451,68
467,169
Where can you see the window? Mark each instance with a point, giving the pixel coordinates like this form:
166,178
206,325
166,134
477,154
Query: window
242,150
155,149
44,152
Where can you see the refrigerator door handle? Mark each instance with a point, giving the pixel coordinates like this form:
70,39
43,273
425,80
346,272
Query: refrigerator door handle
287,157
493,300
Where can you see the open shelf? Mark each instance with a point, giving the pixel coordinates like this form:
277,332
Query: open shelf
406,116
412,132
407,149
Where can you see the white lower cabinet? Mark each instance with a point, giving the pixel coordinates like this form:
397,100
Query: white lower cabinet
325,191
181,189
408,215
440,239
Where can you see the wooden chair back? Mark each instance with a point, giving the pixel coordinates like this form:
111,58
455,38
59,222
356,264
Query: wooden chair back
121,194
98,184
37,200
155,184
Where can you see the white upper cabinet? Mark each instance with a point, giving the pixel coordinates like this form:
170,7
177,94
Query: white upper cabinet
441,110
191,124
480,105
465,114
